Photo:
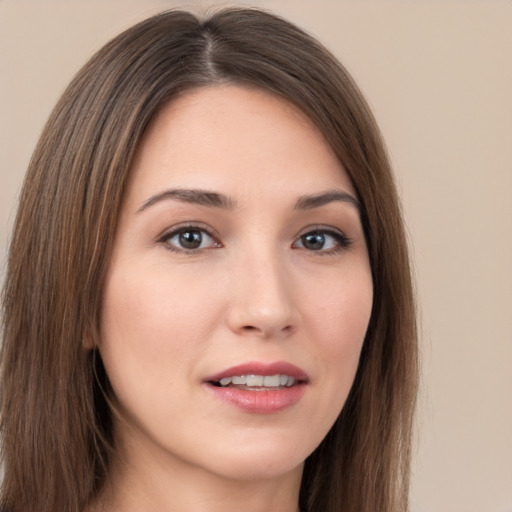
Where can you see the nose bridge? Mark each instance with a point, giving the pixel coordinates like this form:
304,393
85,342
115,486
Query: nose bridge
262,300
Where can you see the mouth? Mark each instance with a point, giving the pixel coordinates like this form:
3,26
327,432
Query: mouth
256,382
259,387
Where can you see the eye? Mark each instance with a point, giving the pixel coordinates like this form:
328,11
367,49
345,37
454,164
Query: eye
189,239
323,240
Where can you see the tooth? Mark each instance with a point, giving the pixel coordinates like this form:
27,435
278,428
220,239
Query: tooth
290,382
271,381
254,380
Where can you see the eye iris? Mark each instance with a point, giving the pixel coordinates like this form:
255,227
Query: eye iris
313,241
190,239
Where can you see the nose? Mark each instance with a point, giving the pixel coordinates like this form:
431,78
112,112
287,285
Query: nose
262,300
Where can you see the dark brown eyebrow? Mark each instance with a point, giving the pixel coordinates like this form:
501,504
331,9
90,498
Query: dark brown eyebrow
315,201
202,197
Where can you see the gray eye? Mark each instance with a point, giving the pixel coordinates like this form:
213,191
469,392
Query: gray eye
190,239
313,241
318,241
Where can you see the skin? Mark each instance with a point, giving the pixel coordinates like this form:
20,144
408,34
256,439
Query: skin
252,291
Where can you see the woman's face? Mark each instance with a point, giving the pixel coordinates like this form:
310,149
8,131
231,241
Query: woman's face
239,291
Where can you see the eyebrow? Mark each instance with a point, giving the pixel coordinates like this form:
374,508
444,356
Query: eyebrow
308,202
201,197
218,200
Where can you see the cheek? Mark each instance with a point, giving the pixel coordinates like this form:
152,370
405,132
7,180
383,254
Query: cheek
157,304
338,318
148,324
340,310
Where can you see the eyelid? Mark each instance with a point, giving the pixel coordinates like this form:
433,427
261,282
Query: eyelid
322,228
190,224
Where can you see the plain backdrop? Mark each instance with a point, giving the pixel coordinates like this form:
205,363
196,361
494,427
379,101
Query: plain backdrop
438,75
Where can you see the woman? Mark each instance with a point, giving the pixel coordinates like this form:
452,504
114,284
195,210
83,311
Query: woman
208,301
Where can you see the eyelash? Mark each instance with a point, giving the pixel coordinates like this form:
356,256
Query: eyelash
342,242
184,228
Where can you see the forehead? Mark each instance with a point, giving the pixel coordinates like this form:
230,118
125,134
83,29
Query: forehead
231,137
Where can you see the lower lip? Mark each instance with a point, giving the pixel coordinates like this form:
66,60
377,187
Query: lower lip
260,402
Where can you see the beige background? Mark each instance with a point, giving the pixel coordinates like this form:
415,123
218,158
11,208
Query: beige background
439,77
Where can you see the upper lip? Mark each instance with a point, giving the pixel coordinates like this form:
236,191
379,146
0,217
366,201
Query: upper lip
260,368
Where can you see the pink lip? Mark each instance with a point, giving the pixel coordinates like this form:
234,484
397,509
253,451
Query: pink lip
267,401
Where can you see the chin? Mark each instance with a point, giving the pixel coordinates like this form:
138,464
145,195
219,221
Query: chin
260,461
251,471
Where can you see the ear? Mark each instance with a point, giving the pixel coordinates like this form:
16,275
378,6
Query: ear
89,339
88,343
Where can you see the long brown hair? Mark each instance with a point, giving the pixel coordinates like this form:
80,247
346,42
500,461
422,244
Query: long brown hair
57,441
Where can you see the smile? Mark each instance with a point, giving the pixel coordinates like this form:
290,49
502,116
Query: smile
257,382
259,388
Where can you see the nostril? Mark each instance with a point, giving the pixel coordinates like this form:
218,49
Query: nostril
261,331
